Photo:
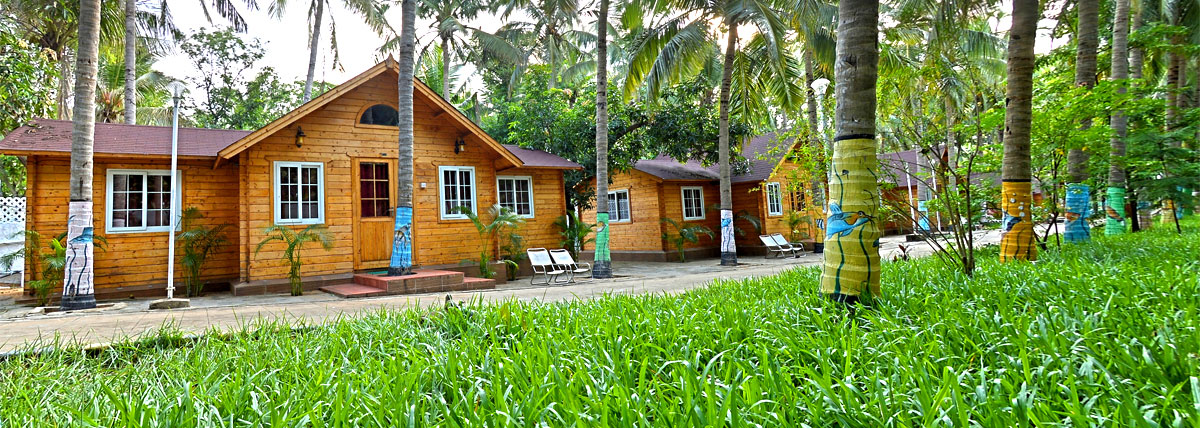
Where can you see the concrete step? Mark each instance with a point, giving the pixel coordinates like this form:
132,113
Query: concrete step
353,290
418,282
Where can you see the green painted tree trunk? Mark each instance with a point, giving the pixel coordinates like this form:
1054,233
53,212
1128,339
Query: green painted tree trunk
1115,203
851,259
602,265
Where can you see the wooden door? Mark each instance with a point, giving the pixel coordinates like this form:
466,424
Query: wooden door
374,196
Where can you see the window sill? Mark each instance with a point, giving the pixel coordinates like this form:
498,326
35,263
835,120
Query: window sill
138,231
693,218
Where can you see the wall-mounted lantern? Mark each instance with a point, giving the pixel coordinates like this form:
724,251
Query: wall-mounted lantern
460,146
299,136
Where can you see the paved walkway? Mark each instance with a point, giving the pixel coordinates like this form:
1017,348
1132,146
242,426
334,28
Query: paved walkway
132,318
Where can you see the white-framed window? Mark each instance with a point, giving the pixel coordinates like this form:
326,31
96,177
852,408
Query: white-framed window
457,184
693,202
618,206
138,200
299,192
774,199
516,194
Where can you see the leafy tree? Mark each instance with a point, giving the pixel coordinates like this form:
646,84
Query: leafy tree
27,74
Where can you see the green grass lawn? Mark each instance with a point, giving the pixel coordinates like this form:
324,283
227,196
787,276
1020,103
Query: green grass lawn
1101,334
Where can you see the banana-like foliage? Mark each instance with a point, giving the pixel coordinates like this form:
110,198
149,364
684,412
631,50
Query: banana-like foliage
683,233
293,242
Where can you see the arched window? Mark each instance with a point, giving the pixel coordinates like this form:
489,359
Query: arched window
380,114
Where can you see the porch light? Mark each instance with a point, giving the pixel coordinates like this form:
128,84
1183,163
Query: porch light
299,136
460,146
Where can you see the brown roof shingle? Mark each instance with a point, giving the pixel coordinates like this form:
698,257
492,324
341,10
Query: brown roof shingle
764,152
540,159
46,135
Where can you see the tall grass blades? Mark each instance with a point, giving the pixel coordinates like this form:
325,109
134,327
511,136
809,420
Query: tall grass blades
1099,334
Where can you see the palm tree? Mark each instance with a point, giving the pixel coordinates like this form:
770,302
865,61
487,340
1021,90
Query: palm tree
1078,194
851,261
550,24
602,268
1116,165
78,291
401,261
680,46
448,16
1015,173
370,11
131,35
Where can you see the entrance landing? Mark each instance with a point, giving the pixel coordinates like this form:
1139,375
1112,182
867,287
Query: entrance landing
421,281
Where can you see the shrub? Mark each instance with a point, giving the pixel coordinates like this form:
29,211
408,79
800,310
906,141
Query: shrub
293,242
199,242
684,233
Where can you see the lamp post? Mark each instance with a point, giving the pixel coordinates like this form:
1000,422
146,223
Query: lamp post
177,89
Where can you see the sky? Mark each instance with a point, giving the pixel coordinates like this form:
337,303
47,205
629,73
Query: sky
286,40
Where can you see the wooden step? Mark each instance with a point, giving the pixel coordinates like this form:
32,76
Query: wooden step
353,290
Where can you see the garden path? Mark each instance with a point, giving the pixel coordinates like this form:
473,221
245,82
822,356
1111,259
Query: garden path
224,312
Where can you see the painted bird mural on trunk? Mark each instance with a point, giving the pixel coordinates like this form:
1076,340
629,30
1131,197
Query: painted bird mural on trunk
842,223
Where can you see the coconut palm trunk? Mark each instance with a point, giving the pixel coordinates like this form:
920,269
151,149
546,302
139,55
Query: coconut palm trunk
851,262
318,13
819,184
1115,209
1015,173
1078,193
602,266
728,246
402,238
78,290
446,68
131,62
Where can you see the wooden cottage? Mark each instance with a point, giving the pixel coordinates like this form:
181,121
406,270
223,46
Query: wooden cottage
771,189
331,161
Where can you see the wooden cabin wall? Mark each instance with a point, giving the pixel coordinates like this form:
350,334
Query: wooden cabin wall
644,231
787,174
135,260
334,137
749,197
672,203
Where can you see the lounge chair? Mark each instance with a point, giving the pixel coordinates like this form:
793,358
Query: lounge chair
796,248
773,249
563,259
539,259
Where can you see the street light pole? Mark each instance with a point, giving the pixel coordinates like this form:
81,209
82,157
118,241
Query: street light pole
176,89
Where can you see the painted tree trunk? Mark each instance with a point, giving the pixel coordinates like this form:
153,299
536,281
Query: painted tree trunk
1015,174
820,183
131,62
602,265
401,261
1078,201
78,284
728,245
1078,196
1115,203
312,49
851,261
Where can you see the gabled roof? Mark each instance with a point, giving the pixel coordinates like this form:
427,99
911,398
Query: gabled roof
533,158
54,136
312,105
764,153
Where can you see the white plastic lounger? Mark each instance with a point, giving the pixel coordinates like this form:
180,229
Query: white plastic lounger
773,248
563,259
539,259
796,249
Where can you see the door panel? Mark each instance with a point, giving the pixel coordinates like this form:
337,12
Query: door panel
374,195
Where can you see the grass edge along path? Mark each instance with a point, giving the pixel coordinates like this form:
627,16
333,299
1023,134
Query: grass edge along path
1103,333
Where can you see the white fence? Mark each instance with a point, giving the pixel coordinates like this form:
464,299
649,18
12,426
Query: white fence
12,226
